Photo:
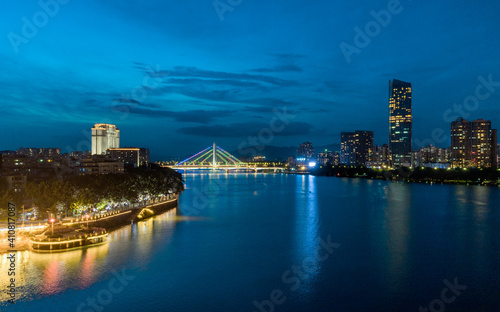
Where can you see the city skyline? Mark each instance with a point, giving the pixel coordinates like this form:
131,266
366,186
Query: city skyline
226,93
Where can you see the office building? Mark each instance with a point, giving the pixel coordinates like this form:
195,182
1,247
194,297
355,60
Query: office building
400,122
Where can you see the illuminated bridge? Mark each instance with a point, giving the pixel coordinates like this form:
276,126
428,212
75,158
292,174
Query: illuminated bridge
216,158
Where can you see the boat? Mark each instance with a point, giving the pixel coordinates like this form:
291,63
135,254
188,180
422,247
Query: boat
74,240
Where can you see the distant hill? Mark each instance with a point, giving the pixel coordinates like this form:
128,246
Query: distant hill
278,152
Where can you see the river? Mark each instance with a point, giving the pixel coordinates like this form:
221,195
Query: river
277,242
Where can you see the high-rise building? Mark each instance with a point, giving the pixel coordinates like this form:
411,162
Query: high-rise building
473,144
348,148
400,123
356,148
104,137
306,150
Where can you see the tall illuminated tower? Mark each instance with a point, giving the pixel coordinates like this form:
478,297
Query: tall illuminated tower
400,122
104,137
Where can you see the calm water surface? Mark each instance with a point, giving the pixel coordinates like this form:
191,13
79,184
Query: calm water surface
235,239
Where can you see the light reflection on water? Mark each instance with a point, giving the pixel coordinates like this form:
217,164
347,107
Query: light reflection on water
47,274
306,229
399,241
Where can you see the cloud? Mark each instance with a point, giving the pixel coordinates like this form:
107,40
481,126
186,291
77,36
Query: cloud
134,102
262,109
278,69
195,116
243,130
206,82
193,72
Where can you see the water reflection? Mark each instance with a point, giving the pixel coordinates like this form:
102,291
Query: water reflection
306,228
398,232
46,274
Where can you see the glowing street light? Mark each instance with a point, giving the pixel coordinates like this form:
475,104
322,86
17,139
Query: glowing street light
52,220
87,217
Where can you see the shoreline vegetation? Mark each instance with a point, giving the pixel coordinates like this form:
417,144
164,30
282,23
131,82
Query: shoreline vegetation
100,201
469,176
93,194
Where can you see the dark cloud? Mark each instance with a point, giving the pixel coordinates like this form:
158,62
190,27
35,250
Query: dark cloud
243,130
269,102
207,82
278,69
195,116
183,71
263,109
134,102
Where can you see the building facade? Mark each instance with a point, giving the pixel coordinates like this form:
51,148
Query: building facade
130,155
400,122
104,137
356,148
98,166
473,144
328,158
432,157
306,150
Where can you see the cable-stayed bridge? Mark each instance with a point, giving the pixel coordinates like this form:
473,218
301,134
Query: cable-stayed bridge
216,158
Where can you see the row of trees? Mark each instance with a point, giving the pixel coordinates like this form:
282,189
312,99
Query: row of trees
8,196
471,175
80,193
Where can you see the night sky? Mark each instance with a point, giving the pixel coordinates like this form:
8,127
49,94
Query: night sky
176,75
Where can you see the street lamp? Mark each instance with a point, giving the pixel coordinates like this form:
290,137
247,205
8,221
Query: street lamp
87,217
52,221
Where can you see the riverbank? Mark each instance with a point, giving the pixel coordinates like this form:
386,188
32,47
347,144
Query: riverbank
484,177
108,222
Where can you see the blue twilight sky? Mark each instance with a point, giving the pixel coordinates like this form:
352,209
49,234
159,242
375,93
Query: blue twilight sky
177,75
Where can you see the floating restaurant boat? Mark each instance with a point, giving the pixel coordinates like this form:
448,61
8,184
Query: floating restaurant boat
42,243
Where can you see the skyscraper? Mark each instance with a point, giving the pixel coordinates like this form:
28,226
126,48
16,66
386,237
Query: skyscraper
104,137
473,144
356,147
400,122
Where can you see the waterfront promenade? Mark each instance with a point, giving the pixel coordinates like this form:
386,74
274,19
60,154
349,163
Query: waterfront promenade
111,220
